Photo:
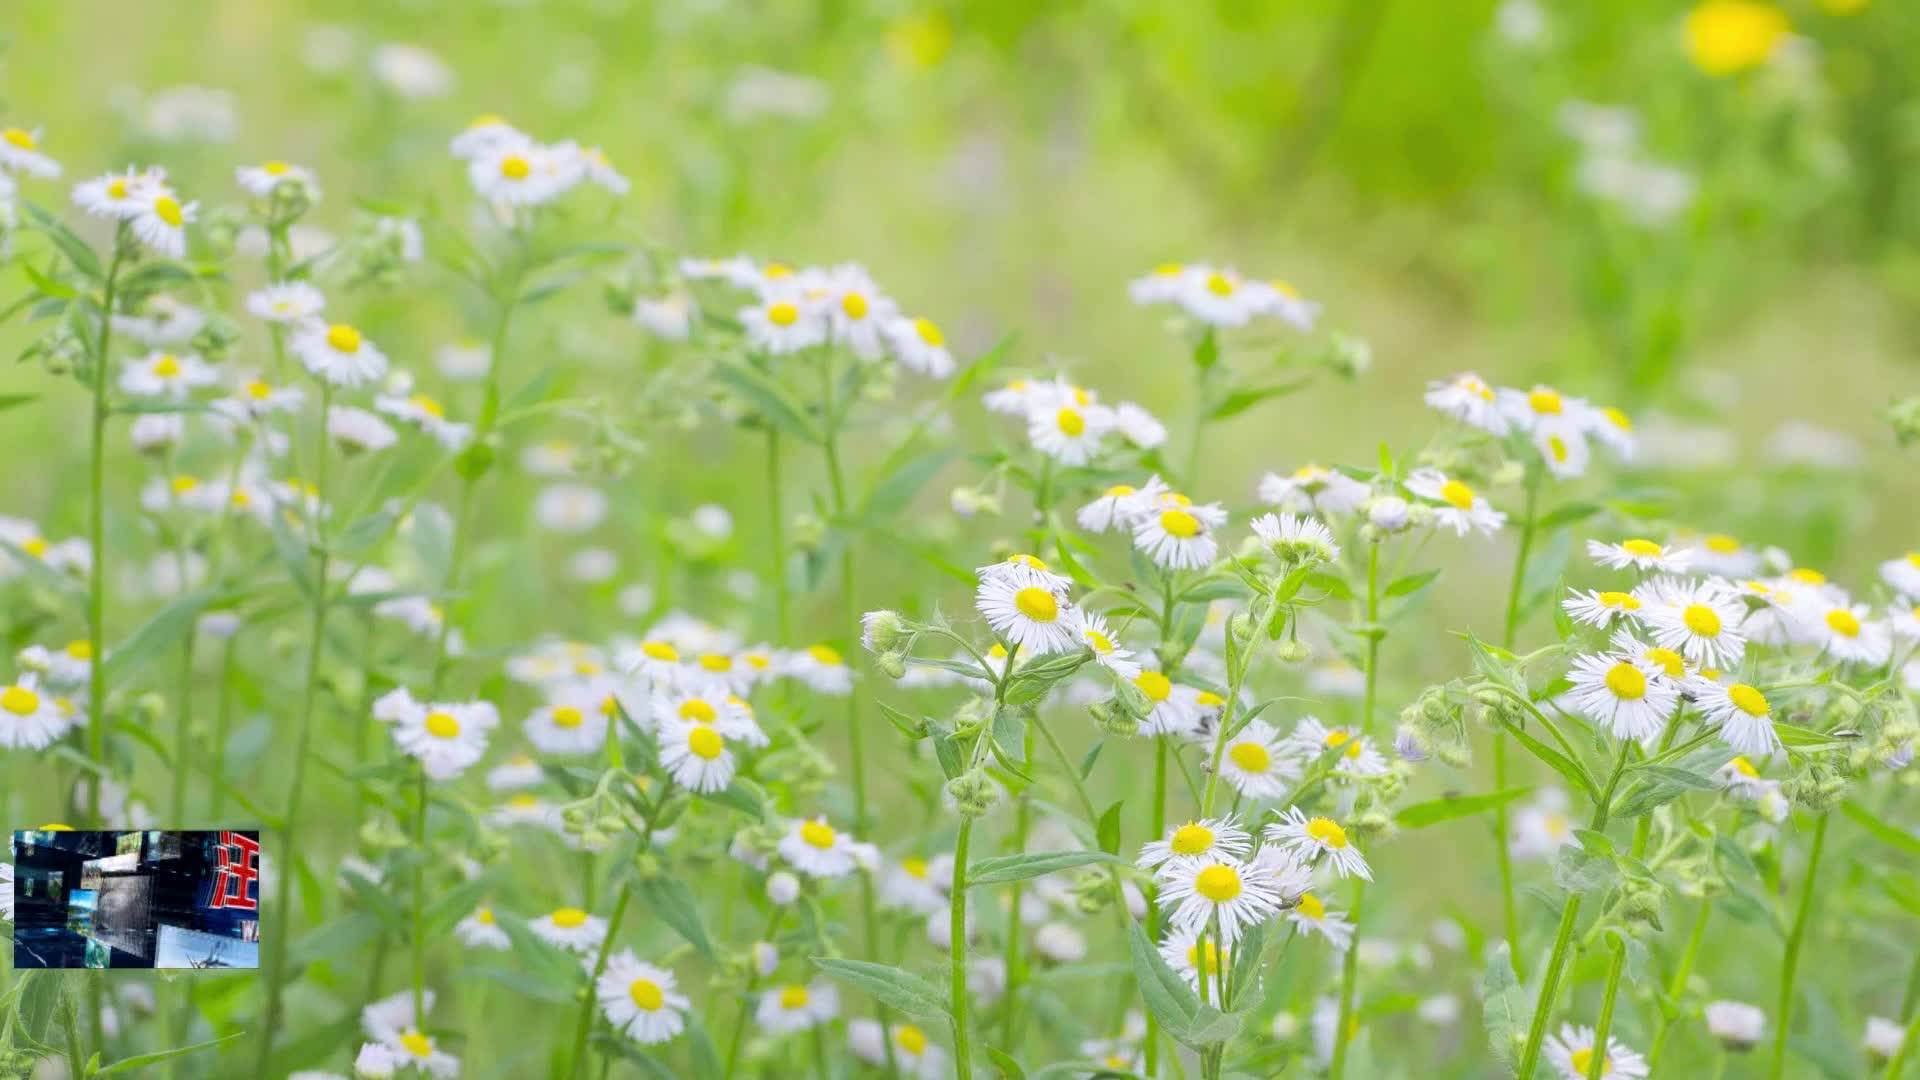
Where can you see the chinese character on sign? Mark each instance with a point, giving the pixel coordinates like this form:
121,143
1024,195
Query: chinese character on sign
237,873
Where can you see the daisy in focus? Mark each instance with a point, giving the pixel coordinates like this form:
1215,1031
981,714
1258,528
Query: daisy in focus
1315,837
640,1000
445,737
1459,508
1572,1049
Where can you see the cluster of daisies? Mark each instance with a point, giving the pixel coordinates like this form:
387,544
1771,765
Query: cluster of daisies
47,697
1069,425
1222,297
1558,425
794,309
511,169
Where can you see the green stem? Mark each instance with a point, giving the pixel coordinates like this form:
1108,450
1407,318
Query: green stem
1349,969
1510,911
75,1062
417,939
97,539
957,962
1015,969
777,534
1349,976
222,717
1678,984
1597,1068
316,635
585,1024
182,727
746,1003
1150,1046
1790,964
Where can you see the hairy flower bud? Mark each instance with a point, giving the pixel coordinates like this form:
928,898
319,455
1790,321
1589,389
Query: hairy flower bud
1454,755
1293,651
1642,900
884,631
1411,743
1904,415
1817,787
893,665
1389,513
1113,718
974,792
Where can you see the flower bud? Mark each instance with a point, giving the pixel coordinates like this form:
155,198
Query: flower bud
893,665
1389,513
1642,901
1904,415
1508,474
974,793
782,888
1454,755
1293,651
1114,719
1411,744
884,631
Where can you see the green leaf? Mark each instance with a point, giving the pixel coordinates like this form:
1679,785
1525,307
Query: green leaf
906,725
1412,583
1330,584
741,795
1168,997
889,985
953,760
141,1061
1887,834
1559,762
891,494
1448,808
1577,870
767,398
1503,1005
1009,1068
1240,401
336,938
546,972
1802,738
1571,514
673,902
1005,868
75,249
1108,831
1246,963
1659,785
172,622
1211,1026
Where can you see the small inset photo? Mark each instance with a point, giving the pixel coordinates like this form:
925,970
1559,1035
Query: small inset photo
136,899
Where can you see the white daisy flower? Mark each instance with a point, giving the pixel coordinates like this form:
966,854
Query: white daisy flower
485,134
1310,738
1223,893
1021,568
166,374
1060,942
1256,763
1571,1052
918,885
1469,399
1742,712
68,666
1031,614
287,302
519,771
1902,575
857,314
1178,535
428,415
570,508
1138,426
1602,609
1016,398
696,756
600,170
524,809
1851,635
358,430
446,737
640,1000
480,930
1069,433
375,1061
710,704
1613,428
796,1007
30,717
1632,698
919,346
1639,554
1204,840
118,196
1283,301
1718,553
1740,777
1317,836
1180,948
817,849
571,723
521,173
20,153
1528,409
1161,286
1698,620
260,180
1461,508
913,1052
1311,915
1563,446
256,398
1091,627
1296,539
1904,621
669,317
1777,615
162,222
1217,297
1884,1037
339,354
1736,1024
821,667
1313,489
1118,507
1172,713
781,324
571,929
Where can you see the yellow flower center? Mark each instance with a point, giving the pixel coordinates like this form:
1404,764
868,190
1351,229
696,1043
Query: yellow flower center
1219,284
609,705
1748,700
716,662
1725,37
1545,401
523,802
793,997
275,168
117,188
705,742
1702,620
1037,604
1457,495
1336,737
817,834
1643,548
1098,642
660,650
647,994
1806,576
1153,684
1913,559
1180,523
417,1044
569,918
1168,270
483,916
429,406
167,209
1842,622
1211,965
486,120
167,366
783,314
1744,767
566,716
1617,418
36,546
826,654
1250,756
515,167
19,137
1582,1061
776,270
929,333
1311,906
1674,664
854,305
19,701
1626,682
1218,883
1327,832
259,391
442,725
343,338
915,868
1558,448
1191,839
698,711
1620,600
1119,491
80,649
1071,422
184,483
911,1039
1722,544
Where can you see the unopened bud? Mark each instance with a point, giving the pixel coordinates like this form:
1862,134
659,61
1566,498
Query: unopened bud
974,793
1293,651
